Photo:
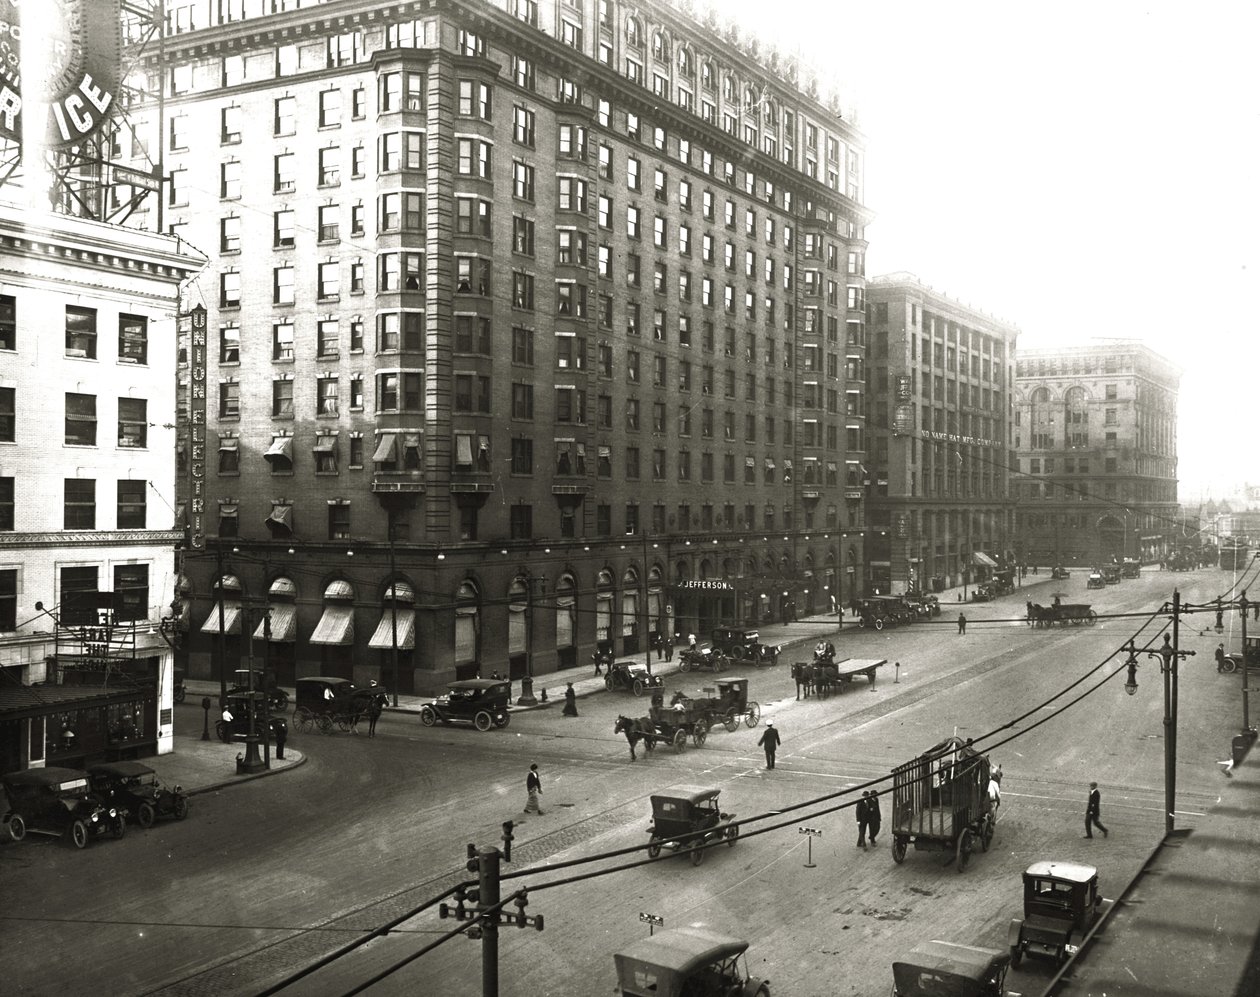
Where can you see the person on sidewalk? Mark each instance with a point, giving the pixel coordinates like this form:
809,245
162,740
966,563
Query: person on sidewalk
770,741
281,732
375,706
962,623
1092,812
1220,657
570,702
861,814
533,786
873,817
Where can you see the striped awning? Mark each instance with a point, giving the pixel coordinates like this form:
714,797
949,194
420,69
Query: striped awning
983,559
283,624
335,627
383,638
231,619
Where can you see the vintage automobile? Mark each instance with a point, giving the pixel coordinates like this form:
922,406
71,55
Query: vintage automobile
924,605
248,680
945,969
233,722
1131,567
1061,905
1059,572
687,819
879,611
984,592
58,802
133,787
687,962
480,702
1111,574
632,675
180,690
1096,580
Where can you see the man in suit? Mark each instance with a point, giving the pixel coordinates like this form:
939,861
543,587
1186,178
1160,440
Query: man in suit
770,741
1092,812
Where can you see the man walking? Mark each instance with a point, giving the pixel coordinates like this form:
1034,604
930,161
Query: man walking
770,741
962,623
533,786
873,817
374,709
1092,812
860,812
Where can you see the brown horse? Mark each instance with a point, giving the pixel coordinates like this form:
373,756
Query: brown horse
636,729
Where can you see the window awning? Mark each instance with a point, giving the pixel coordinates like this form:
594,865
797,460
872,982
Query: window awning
283,624
231,619
325,444
280,522
983,559
229,443
463,448
281,448
335,627
769,464
383,638
385,448
411,441
605,451
750,462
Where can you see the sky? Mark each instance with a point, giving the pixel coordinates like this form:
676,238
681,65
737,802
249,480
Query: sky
1079,169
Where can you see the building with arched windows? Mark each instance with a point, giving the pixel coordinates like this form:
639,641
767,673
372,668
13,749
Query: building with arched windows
1096,435
538,324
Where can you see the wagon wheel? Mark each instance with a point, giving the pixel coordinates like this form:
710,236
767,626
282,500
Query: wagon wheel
731,834
344,722
654,847
754,715
680,741
697,853
608,681
324,723
482,720
79,834
963,854
1092,616
879,623
899,849
302,719
699,733
146,815
731,721
428,716
986,832
638,687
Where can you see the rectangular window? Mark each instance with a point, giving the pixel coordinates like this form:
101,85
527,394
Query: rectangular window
282,286
7,518
339,521
133,422
523,181
80,505
131,504
80,422
229,400
522,456
78,595
282,398
80,332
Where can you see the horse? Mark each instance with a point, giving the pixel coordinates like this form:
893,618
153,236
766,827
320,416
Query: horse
826,678
636,730
803,674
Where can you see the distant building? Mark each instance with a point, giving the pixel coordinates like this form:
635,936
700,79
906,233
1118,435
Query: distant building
87,488
533,328
939,377
1096,432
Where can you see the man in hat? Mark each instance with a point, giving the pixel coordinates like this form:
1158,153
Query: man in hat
1092,811
770,741
860,813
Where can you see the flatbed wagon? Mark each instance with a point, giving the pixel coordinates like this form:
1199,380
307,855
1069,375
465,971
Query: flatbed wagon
941,802
1074,613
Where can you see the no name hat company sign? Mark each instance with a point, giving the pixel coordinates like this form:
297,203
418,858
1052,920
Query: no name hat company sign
66,56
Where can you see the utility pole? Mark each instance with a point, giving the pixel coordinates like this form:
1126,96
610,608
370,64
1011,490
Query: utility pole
1247,730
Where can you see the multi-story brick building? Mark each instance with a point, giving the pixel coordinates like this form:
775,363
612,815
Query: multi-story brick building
940,377
551,313
87,487
1096,435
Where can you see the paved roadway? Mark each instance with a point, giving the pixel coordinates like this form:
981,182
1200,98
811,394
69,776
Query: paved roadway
268,875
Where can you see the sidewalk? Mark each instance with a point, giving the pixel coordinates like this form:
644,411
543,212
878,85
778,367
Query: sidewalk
205,766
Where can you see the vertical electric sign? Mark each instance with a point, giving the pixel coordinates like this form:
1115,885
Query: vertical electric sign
197,428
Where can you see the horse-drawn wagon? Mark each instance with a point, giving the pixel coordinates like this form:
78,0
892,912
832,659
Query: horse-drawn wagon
1074,613
672,725
941,802
728,707
824,675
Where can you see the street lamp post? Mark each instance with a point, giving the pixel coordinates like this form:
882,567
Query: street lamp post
527,697
393,611
1247,731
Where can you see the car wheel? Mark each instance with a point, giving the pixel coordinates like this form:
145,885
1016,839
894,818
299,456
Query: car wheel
120,826
879,624
608,682
697,854
732,834
145,816
427,716
719,663
17,828
280,701
503,721
180,694
221,731
181,808
482,720
79,834
684,664
654,847
638,687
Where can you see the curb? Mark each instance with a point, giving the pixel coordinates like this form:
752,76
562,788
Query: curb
216,786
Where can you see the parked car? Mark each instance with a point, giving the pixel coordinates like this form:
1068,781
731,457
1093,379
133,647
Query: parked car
924,605
687,962
1111,574
133,787
1131,567
58,802
1061,904
944,969
233,723
1096,580
1060,572
480,702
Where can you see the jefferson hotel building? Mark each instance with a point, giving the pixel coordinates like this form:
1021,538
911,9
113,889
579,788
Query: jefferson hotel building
533,327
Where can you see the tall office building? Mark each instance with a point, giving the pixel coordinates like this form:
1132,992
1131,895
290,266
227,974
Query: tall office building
941,378
532,327
1096,432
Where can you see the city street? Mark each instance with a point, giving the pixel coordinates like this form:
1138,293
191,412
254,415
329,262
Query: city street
267,876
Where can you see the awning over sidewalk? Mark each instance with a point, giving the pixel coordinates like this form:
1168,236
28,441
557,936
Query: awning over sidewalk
283,624
983,559
335,627
231,619
383,638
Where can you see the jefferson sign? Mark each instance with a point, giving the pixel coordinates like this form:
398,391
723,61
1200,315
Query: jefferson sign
73,70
